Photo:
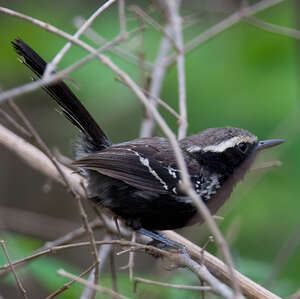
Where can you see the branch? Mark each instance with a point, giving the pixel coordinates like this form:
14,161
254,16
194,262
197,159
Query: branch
224,25
102,257
52,65
90,285
175,22
19,283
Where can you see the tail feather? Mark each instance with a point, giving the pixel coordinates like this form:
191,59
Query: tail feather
68,102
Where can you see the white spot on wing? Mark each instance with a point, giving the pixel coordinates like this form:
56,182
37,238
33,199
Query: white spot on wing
172,172
193,148
146,163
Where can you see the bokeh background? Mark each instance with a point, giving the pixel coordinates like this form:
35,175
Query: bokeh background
244,77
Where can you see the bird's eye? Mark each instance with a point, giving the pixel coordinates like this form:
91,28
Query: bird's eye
243,147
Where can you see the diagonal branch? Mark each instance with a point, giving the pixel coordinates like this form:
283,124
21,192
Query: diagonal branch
176,23
52,65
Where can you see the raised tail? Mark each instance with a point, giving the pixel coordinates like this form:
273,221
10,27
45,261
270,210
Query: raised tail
68,102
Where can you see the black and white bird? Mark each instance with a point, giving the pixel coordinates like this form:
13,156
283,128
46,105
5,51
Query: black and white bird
139,180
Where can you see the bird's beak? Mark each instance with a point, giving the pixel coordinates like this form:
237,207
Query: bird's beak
268,143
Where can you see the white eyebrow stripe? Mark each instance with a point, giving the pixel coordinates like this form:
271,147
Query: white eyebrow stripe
229,143
217,148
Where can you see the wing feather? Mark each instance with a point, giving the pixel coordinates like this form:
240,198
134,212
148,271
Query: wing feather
144,166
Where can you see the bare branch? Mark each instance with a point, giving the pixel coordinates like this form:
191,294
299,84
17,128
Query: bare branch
157,26
113,270
52,65
19,283
122,18
97,288
224,25
99,40
168,285
175,21
14,123
68,285
103,253
40,142
94,252
157,77
290,32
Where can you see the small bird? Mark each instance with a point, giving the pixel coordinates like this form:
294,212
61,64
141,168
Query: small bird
139,180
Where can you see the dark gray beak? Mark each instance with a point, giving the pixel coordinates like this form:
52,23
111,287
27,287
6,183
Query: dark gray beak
268,143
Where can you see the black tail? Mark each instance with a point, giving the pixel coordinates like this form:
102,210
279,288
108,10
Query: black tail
69,103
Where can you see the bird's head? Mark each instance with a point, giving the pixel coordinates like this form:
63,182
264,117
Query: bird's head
222,150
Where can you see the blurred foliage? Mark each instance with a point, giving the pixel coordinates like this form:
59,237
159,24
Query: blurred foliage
245,77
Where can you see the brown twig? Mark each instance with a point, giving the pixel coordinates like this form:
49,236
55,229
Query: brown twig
91,236
151,21
11,266
122,18
168,285
99,40
96,223
157,77
175,21
112,265
103,253
52,65
68,284
14,123
290,32
54,249
224,25
130,264
40,143
86,283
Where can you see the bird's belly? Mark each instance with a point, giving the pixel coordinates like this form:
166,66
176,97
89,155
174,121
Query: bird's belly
140,209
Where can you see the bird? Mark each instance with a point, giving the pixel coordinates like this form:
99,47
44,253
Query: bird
139,180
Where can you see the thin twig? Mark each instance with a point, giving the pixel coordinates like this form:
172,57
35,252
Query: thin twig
96,223
54,249
266,165
18,281
122,18
14,123
286,251
224,25
112,265
130,264
103,253
156,82
97,288
157,100
99,40
168,285
52,65
41,143
151,21
290,32
93,244
175,21
68,284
